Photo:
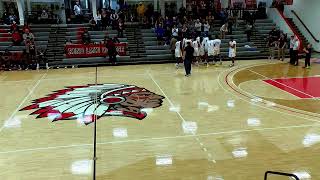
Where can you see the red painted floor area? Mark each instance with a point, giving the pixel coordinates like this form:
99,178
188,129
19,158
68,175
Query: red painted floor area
306,87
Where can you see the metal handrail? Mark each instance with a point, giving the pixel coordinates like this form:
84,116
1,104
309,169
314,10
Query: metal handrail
314,38
281,174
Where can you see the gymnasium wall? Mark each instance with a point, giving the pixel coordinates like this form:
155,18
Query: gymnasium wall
275,16
309,12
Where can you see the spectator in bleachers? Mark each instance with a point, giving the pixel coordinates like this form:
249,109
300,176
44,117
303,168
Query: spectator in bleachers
175,31
167,22
7,57
44,16
93,24
223,30
5,17
69,42
105,40
105,19
41,57
185,31
167,36
223,16
14,27
210,19
26,27
248,31
28,35
98,20
197,27
85,36
115,40
206,28
120,28
160,34
16,38
141,9
78,12
12,18
114,17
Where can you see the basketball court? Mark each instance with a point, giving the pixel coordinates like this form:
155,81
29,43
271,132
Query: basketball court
220,123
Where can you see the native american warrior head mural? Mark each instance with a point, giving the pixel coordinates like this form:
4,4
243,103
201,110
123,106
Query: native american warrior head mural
89,102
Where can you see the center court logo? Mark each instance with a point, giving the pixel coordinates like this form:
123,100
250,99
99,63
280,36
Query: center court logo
84,102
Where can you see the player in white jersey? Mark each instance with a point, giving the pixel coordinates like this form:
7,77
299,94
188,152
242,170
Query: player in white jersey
210,46
196,47
204,50
178,53
216,49
206,39
232,50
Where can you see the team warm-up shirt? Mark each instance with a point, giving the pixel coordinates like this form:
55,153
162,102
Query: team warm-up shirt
210,45
217,43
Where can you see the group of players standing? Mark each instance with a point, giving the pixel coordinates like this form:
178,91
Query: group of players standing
204,50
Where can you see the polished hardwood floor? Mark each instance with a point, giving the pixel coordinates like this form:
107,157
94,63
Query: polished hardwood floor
220,123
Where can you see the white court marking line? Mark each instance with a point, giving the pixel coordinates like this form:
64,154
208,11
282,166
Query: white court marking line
265,107
165,138
296,110
282,84
264,96
179,114
24,100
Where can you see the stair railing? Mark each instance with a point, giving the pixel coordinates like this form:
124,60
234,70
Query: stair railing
314,38
280,174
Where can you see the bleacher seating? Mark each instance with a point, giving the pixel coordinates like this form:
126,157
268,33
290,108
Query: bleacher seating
73,33
153,52
40,32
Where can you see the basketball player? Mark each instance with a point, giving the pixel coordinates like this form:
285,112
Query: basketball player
201,50
196,47
210,45
205,48
216,49
232,50
178,53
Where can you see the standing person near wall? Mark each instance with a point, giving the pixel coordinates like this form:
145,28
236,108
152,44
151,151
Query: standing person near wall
291,49
281,46
271,47
296,51
308,52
